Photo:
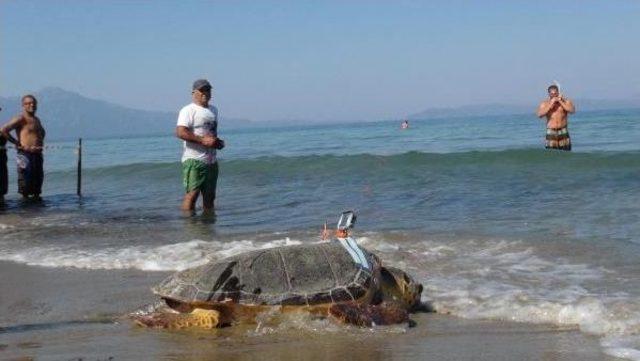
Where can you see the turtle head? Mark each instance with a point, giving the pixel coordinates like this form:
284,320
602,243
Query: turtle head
399,288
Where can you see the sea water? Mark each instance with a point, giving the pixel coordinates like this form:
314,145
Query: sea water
492,224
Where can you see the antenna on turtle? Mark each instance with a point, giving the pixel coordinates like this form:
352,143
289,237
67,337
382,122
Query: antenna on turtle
325,232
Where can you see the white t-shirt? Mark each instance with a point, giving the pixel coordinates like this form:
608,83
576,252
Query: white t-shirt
201,121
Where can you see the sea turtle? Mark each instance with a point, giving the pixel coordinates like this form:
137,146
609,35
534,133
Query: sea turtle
336,278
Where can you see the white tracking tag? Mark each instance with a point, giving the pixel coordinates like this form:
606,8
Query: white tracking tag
354,251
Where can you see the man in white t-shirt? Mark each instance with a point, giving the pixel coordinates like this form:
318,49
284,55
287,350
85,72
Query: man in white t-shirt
198,127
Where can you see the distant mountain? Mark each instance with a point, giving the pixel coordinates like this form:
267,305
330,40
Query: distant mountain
68,115
585,105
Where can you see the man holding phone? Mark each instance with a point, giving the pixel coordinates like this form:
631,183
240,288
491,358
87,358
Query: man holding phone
556,109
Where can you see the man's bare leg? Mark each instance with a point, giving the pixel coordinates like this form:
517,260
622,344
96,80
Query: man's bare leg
208,199
189,201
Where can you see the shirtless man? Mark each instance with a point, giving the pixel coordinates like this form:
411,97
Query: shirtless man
29,141
556,109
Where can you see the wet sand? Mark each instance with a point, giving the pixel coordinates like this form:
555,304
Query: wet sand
70,314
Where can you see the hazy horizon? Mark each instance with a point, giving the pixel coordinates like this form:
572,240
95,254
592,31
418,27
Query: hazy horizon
321,61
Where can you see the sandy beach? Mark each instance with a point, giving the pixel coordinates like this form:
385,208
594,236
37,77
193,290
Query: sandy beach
69,314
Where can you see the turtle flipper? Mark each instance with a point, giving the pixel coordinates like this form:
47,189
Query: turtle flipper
367,315
400,288
198,318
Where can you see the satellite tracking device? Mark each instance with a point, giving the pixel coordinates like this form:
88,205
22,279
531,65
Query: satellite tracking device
346,221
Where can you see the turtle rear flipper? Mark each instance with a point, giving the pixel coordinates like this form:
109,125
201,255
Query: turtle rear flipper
367,315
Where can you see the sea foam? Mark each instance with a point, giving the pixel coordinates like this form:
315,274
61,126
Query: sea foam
172,257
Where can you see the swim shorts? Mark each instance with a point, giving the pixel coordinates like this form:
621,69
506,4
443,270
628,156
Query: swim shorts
558,138
199,175
30,172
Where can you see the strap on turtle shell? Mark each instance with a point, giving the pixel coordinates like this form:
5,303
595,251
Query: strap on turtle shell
355,252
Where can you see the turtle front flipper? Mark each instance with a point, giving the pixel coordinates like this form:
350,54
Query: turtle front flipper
367,315
198,318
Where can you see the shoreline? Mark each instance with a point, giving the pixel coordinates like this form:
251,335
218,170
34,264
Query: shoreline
64,314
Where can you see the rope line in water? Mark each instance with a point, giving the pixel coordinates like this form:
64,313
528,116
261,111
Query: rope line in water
46,147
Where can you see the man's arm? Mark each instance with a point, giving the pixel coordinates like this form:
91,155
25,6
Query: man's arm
219,142
545,107
185,134
567,105
6,129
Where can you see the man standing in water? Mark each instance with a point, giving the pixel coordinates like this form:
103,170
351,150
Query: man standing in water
29,142
198,127
556,109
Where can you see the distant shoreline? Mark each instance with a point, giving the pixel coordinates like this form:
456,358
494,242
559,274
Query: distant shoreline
69,115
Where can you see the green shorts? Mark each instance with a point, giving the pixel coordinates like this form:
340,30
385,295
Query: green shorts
197,175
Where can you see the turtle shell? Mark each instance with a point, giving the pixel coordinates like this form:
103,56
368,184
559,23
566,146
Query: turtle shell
292,275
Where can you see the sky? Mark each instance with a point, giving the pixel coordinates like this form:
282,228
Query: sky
321,60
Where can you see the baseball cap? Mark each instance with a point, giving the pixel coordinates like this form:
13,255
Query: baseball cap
201,84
